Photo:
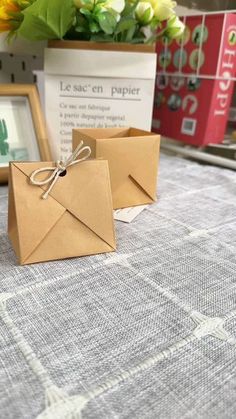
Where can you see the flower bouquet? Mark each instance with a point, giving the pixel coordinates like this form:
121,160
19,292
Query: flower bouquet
129,21
100,64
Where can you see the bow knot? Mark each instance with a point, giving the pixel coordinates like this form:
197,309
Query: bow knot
60,168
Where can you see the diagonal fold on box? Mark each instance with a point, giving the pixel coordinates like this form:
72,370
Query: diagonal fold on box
132,155
75,220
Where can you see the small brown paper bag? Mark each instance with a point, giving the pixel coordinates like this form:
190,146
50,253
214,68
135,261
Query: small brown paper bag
76,219
133,157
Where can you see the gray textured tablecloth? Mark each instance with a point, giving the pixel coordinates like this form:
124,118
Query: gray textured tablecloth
147,332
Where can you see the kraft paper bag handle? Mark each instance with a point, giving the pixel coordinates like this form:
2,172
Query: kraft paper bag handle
60,168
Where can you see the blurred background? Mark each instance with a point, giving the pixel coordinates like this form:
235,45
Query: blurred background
22,61
193,6
208,5
227,148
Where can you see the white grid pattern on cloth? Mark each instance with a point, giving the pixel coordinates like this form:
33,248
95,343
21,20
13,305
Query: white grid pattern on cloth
146,332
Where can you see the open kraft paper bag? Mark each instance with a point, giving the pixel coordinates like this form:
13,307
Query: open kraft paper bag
75,220
133,157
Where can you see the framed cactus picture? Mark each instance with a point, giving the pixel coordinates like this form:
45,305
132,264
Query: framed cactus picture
22,129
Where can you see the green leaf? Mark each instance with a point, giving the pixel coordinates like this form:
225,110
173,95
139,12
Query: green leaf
107,22
47,19
130,34
85,12
97,9
146,16
129,8
80,20
80,29
125,24
155,24
101,38
138,40
86,2
16,16
94,27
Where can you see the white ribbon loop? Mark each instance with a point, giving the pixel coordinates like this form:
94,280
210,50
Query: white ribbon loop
60,168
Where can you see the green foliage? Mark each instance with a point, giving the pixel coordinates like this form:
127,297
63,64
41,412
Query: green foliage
96,20
59,19
107,22
125,24
47,19
129,9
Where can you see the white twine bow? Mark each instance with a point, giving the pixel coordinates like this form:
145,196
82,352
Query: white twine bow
60,168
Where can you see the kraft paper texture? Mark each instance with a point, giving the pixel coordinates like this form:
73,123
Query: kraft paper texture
133,157
75,220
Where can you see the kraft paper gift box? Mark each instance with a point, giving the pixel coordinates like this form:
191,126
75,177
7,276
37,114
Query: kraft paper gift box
133,156
76,219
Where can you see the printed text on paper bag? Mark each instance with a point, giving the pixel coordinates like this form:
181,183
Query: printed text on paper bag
94,102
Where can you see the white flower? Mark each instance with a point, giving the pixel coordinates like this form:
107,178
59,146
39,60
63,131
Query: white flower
147,32
175,28
144,12
115,5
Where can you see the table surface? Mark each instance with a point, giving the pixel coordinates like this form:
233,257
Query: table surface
146,332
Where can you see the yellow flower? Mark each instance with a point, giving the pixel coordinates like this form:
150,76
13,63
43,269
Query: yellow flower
6,8
10,13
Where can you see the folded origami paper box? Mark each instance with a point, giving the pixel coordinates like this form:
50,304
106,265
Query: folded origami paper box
76,219
133,157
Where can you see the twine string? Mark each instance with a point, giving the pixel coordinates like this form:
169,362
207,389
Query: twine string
60,168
